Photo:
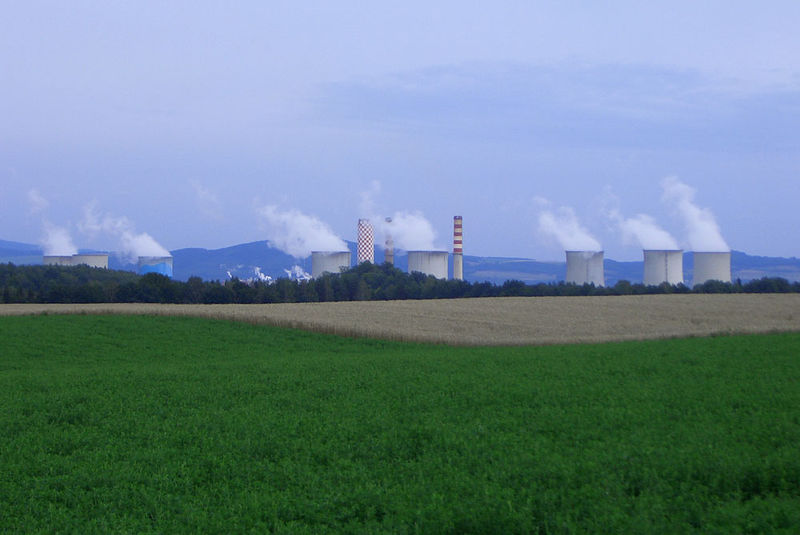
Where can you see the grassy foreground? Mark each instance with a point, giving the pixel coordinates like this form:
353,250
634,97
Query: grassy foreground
143,424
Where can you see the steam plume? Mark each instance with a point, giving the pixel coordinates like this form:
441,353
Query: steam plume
409,230
703,232
297,234
133,244
57,241
563,225
644,231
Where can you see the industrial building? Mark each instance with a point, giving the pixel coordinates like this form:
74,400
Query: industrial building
663,266
585,267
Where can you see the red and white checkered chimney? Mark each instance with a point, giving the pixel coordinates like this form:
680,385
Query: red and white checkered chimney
458,248
366,242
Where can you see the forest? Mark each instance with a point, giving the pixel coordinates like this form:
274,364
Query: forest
82,284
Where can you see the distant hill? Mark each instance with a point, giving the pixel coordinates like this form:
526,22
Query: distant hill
248,260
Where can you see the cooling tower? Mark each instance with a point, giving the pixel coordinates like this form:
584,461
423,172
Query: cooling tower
91,260
662,266
54,260
585,267
329,262
366,242
428,262
458,248
155,264
711,267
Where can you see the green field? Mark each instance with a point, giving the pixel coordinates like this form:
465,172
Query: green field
143,424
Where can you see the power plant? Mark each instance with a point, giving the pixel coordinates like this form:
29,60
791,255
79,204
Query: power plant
458,248
91,260
711,266
366,242
663,266
155,264
329,262
428,262
585,267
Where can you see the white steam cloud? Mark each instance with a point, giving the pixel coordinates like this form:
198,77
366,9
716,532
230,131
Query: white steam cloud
409,230
298,234
57,241
37,202
701,226
132,243
563,225
644,231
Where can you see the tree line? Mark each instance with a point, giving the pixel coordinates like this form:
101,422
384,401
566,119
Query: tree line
365,282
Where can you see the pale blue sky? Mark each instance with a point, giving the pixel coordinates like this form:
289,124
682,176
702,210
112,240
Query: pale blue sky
188,117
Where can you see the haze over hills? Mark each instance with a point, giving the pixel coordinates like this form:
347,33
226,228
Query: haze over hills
256,260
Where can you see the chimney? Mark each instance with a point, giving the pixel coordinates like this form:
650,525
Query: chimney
366,242
458,251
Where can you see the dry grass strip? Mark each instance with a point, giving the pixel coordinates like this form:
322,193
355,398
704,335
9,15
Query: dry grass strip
496,321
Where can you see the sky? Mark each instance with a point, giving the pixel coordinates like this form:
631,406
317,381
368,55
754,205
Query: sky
189,121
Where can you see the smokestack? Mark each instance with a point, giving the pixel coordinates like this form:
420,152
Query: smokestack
458,248
663,266
585,267
389,256
366,242
428,262
711,267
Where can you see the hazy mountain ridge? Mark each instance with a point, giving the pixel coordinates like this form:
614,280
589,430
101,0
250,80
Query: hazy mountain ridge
247,260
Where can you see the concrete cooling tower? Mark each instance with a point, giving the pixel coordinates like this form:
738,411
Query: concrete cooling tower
662,266
585,267
54,260
366,242
711,267
155,264
329,262
91,260
428,262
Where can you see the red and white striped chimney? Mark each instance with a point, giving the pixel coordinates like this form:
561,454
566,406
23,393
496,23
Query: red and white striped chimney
366,242
458,250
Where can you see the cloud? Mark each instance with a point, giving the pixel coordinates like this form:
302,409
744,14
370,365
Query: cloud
37,202
571,104
206,201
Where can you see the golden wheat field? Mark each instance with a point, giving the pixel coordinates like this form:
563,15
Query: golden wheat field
496,321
